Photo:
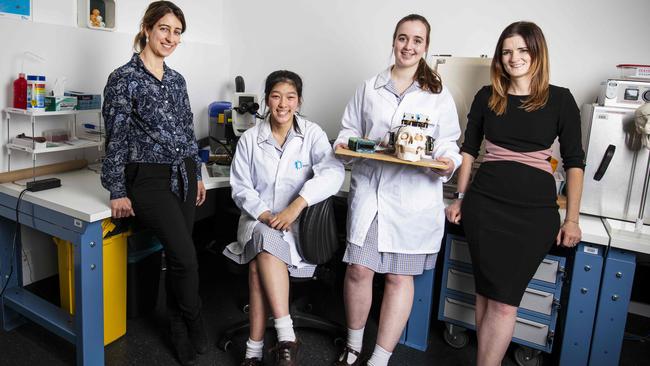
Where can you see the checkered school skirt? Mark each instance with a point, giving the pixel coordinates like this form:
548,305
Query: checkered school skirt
383,262
270,240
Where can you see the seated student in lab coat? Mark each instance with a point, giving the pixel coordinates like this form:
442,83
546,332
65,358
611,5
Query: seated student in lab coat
282,165
396,214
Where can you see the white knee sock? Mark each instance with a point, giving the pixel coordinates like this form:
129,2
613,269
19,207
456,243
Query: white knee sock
379,357
284,327
254,349
355,341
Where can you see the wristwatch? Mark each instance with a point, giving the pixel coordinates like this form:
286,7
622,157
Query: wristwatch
459,195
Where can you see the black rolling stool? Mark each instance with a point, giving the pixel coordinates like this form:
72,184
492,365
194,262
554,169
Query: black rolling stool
300,308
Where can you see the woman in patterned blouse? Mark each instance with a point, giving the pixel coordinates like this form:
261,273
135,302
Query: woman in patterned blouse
152,168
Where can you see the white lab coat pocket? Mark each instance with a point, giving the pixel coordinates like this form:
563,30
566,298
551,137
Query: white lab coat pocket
417,191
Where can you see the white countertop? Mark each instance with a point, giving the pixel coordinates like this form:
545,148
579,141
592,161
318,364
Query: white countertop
624,236
81,194
593,230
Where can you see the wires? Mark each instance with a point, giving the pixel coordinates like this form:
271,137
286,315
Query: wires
636,338
225,146
13,248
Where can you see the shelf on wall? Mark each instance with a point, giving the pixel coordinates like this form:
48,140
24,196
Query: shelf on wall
89,139
41,112
78,144
105,8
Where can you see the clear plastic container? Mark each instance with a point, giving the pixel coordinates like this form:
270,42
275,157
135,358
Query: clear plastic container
220,170
634,71
56,135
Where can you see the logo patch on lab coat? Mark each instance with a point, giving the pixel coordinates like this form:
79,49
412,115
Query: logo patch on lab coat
299,164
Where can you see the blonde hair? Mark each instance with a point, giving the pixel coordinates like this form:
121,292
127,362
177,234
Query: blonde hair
539,69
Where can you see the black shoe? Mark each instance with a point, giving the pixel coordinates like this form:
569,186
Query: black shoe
198,335
251,362
181,341
286,353
343,358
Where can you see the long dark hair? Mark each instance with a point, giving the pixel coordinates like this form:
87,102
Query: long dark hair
154,12
283,76
539,69
424,75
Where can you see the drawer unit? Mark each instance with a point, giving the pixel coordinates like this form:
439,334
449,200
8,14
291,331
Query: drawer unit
538,310
550,271
460,281
536,300
527,331
459,251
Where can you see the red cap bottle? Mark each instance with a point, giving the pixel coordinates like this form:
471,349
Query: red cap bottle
20,92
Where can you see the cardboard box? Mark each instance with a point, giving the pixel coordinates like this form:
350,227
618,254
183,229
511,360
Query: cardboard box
86,101
65,103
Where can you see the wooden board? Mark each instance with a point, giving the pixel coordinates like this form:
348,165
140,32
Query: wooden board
427,163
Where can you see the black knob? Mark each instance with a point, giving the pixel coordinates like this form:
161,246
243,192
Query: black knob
646,95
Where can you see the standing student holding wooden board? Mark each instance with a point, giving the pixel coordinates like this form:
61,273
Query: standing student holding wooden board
396,216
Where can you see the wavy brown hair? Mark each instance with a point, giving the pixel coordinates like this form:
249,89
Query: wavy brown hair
425,76
154,12
539,69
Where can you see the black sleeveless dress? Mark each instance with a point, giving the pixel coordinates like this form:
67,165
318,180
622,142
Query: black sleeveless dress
509,213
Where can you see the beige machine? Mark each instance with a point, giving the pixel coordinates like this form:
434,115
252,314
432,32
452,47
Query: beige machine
463,77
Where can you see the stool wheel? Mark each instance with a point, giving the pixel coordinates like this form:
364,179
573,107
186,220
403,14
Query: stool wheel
339,342
455,336
225,344
526,356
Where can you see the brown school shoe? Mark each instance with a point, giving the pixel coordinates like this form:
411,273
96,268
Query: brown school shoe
286,353
251,362
342,360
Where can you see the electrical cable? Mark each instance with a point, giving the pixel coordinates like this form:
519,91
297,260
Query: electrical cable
232,156
13,248
636,337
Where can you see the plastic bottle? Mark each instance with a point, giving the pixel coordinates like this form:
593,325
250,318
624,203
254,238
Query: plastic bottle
31,85
35,91
20,92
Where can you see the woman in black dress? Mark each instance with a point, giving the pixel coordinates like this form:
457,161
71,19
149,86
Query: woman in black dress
510,215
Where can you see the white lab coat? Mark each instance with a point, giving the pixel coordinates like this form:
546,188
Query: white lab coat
262,181
407,199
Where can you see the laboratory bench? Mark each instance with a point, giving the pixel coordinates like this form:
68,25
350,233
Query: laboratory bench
72,212
595,289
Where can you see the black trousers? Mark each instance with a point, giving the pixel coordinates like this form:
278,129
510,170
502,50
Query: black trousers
172,221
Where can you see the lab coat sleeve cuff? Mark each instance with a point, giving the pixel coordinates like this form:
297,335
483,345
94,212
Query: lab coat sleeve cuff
307,199
257,210
452,155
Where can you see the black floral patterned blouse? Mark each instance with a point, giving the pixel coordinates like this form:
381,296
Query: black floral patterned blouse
147,121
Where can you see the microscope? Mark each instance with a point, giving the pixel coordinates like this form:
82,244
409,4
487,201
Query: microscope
228,121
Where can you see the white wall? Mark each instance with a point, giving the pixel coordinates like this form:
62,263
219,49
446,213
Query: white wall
334,45
86,57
